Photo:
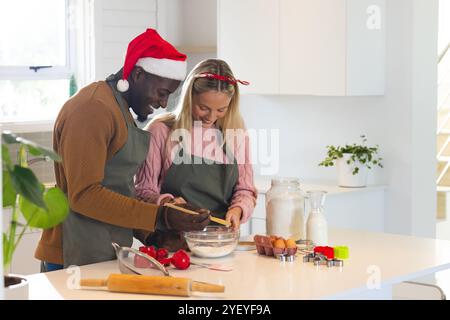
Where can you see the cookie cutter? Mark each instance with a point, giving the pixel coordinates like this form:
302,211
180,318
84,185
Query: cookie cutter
283,257
319,259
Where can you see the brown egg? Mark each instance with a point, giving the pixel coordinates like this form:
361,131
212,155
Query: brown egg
273,239
279,243
290,243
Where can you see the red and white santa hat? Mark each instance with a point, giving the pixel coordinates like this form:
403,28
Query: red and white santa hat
155,55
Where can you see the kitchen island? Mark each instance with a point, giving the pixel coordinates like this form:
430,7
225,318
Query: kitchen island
377,261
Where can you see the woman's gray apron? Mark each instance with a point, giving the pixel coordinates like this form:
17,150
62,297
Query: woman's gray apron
86,240
202,183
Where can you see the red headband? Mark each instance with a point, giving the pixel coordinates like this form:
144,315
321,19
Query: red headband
221,78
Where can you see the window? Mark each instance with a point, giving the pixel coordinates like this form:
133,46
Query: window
36,58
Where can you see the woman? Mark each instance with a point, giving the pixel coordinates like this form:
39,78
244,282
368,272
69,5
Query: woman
200,154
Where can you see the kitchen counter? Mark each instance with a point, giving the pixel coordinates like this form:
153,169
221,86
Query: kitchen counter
377,261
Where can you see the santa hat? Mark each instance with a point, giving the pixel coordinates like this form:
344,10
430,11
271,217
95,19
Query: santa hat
155,55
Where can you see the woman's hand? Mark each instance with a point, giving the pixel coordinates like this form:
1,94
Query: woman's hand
178,200
234,216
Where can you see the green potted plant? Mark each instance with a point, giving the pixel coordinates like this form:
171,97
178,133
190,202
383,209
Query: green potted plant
30,204
353,162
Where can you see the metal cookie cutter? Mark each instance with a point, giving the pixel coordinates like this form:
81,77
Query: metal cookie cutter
320,259
305,245
286,258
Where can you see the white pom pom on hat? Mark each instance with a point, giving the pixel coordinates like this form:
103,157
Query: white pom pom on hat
155,55
123,85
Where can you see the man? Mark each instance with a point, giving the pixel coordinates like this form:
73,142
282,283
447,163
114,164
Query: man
102,148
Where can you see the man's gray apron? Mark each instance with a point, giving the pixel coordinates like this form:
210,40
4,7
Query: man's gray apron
86,240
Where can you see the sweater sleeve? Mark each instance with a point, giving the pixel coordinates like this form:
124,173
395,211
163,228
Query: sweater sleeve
244,194
150,175
84,140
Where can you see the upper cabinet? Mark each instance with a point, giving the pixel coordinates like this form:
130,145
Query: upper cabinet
247,38
304,47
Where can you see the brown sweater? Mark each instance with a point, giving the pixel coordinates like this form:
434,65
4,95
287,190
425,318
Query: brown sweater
89,130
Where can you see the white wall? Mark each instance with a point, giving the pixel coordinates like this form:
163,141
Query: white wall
116,23
444,24
188,23
402,122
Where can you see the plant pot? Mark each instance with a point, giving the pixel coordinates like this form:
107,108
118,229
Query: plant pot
346,178
16,287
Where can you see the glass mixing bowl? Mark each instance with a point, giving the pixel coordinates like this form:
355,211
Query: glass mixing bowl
212,242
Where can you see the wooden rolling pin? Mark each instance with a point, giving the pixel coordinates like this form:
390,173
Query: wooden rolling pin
152,285
217,220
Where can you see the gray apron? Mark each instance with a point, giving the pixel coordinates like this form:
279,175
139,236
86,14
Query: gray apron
86,240
202,184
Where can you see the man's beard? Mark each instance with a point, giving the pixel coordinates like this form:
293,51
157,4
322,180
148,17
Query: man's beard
142,118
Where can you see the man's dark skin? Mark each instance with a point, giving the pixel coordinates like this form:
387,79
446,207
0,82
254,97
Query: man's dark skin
148,91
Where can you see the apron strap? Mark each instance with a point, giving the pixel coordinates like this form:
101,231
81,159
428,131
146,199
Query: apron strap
111,80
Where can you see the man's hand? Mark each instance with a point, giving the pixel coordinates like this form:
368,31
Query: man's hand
234,216
176,220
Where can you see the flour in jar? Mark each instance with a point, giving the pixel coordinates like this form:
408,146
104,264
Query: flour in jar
285,217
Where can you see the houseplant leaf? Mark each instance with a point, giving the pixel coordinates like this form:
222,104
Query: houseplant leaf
58,208
6,158
34,148
27,185
37,150
6,252
9,193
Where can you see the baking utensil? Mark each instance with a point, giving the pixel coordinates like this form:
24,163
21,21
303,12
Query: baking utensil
217,220
246,246
283,257
341,252
212,242
319,259
217,267
152,285
126,267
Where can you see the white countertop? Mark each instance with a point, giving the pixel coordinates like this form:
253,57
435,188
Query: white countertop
392,258
262,185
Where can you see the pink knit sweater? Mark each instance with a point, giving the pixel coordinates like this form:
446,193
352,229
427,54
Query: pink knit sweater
150,176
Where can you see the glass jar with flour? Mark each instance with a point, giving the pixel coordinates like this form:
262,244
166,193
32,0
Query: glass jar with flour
285,204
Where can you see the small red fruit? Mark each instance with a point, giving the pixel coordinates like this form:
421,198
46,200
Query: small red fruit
143,249
151,251
162,253
181,260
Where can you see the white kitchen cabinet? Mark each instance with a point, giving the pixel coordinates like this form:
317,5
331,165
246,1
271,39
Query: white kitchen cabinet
247,37
303,47
312,47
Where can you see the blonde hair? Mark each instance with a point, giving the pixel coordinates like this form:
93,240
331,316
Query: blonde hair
181,118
